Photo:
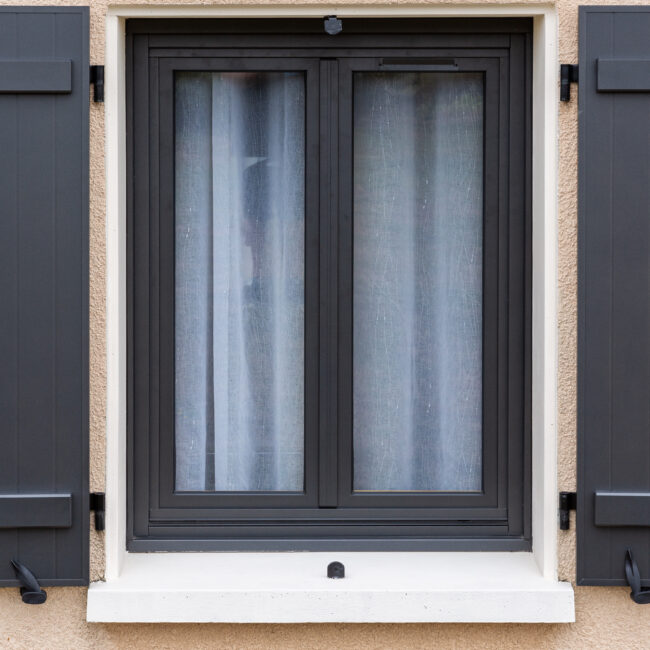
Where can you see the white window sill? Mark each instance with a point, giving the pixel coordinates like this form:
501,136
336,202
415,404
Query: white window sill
293,588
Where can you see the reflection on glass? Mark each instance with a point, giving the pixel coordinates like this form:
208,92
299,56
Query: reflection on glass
418,258
239,287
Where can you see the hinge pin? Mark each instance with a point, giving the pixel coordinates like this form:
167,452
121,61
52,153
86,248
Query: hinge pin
98,505
568,75
568,502
97,79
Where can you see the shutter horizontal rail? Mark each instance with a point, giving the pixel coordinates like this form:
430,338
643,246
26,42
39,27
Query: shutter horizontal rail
622,509
623,75
35,76
35,510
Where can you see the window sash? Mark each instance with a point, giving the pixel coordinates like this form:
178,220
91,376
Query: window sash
494,431
167,496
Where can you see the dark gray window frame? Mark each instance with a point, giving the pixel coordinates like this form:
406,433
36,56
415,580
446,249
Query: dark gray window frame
328,515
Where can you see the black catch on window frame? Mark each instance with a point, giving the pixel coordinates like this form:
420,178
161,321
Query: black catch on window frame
328,514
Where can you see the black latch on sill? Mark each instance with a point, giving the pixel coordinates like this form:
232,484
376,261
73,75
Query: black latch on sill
30,590
98,504
335,570
638,595
97,79
567,503
568,75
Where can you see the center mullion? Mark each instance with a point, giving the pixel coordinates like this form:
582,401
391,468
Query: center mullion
328,443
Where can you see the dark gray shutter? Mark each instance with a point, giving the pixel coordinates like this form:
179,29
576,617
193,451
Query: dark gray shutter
44,293
614,293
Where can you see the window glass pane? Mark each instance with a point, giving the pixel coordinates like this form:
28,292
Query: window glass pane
418,265
239,283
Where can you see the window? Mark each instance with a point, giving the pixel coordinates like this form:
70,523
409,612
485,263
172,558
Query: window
329,285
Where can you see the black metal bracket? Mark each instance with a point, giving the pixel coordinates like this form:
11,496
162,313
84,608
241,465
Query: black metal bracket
97,79
30,590
568,502
568,75
638,595
335,570
333,25
98,504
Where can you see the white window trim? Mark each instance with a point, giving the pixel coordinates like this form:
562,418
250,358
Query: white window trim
379,587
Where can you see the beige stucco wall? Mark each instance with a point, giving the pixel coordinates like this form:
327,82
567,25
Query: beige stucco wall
605,617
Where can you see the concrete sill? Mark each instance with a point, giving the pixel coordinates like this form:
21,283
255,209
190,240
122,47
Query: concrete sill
293,588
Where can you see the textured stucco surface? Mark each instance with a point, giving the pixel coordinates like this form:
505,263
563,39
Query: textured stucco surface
606,618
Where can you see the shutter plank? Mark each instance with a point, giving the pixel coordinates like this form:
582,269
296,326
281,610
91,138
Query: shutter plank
35,285
8,291
44,285
71,315
594,367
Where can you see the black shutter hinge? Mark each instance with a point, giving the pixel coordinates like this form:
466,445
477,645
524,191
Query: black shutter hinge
568,75
568,502
97,80
98,504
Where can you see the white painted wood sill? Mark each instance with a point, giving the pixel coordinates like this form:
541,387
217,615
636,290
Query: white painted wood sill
294,588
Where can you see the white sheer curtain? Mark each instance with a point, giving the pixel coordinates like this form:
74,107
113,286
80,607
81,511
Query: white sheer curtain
418,205
239,281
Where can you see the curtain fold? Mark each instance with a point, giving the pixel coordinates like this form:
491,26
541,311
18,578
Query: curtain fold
245,134
193,271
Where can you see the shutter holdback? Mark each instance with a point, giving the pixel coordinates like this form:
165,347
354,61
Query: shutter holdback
638,595
30,590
